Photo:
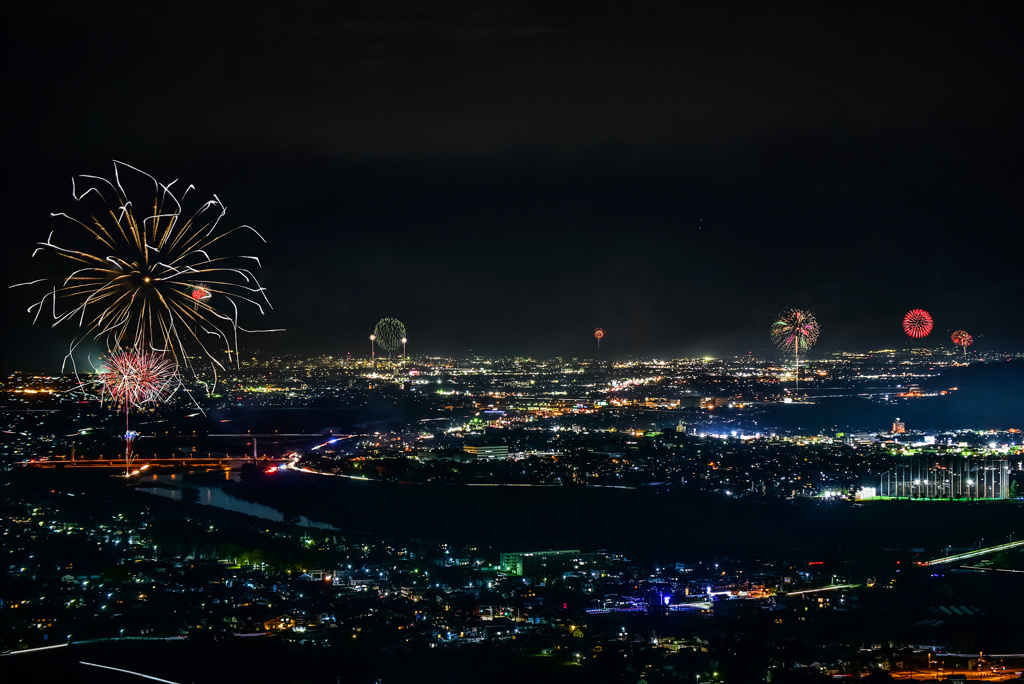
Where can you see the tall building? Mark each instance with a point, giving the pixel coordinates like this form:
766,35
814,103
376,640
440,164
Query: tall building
486,451
714,402
538,562
898,427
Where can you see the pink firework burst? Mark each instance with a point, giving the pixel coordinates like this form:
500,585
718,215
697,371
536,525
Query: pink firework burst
795,330
137,378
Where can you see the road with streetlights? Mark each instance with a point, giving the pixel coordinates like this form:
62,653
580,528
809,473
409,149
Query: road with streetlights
946,560
924,675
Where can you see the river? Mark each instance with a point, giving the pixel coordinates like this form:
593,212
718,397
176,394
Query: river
170,485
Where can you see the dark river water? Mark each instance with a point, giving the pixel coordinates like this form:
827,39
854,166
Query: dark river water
169,486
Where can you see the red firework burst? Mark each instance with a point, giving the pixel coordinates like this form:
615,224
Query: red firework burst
962,338
599,333
136,378
917,323
201,294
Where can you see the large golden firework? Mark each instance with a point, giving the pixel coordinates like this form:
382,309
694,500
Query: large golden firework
135,265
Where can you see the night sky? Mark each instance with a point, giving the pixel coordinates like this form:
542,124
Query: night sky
505,177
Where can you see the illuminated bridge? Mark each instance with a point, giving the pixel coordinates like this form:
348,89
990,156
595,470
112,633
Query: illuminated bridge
203,462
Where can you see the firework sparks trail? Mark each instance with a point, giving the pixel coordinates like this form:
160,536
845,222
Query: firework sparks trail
599,335
135,268
134,379
129,455
795,330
